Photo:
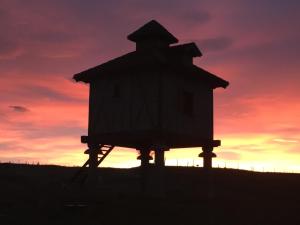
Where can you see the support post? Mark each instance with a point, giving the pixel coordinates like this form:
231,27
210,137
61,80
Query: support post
93,159
159,159
159,176
207,156
144,157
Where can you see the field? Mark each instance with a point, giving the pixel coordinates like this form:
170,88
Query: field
43,195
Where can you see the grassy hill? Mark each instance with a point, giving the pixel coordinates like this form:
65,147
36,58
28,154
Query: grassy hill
43,195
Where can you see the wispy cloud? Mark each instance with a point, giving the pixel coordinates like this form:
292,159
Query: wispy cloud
283,140
19,108
215,43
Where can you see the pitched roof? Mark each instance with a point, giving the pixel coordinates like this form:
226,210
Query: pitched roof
189,48
133,60
152,30
137,61
201,74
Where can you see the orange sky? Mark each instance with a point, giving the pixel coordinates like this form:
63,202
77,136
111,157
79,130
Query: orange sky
253,44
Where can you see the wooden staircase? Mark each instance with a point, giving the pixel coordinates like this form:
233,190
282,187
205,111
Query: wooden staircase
81,175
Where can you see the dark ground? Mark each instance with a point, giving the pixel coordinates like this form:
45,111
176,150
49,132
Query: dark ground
42,195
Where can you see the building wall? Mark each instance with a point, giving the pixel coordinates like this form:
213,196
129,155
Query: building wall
151,102
197,123
135,109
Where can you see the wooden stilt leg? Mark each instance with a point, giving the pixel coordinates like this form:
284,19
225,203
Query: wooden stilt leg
93,159
159,159
159,176
144,157
207,156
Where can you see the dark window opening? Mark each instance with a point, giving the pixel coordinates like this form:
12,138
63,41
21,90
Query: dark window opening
187,103
116,91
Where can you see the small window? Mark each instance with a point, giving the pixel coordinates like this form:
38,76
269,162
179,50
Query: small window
187,103
116,91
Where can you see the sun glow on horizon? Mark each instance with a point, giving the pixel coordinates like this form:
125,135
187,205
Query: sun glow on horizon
236,153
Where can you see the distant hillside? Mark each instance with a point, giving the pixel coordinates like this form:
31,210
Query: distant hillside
43,195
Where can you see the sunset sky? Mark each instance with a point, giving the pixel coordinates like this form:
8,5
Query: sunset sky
254,44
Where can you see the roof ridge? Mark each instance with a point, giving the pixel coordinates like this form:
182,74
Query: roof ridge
152,29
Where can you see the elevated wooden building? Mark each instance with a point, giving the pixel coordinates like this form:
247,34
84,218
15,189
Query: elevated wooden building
153,98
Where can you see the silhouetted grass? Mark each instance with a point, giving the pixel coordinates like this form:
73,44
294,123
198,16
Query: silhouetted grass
37,194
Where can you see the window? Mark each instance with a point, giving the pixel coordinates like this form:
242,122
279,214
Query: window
187,103
116,91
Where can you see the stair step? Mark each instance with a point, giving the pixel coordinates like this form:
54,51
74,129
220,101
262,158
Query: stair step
82,173
99,151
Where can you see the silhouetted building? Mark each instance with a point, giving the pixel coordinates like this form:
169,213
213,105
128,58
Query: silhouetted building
153,98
